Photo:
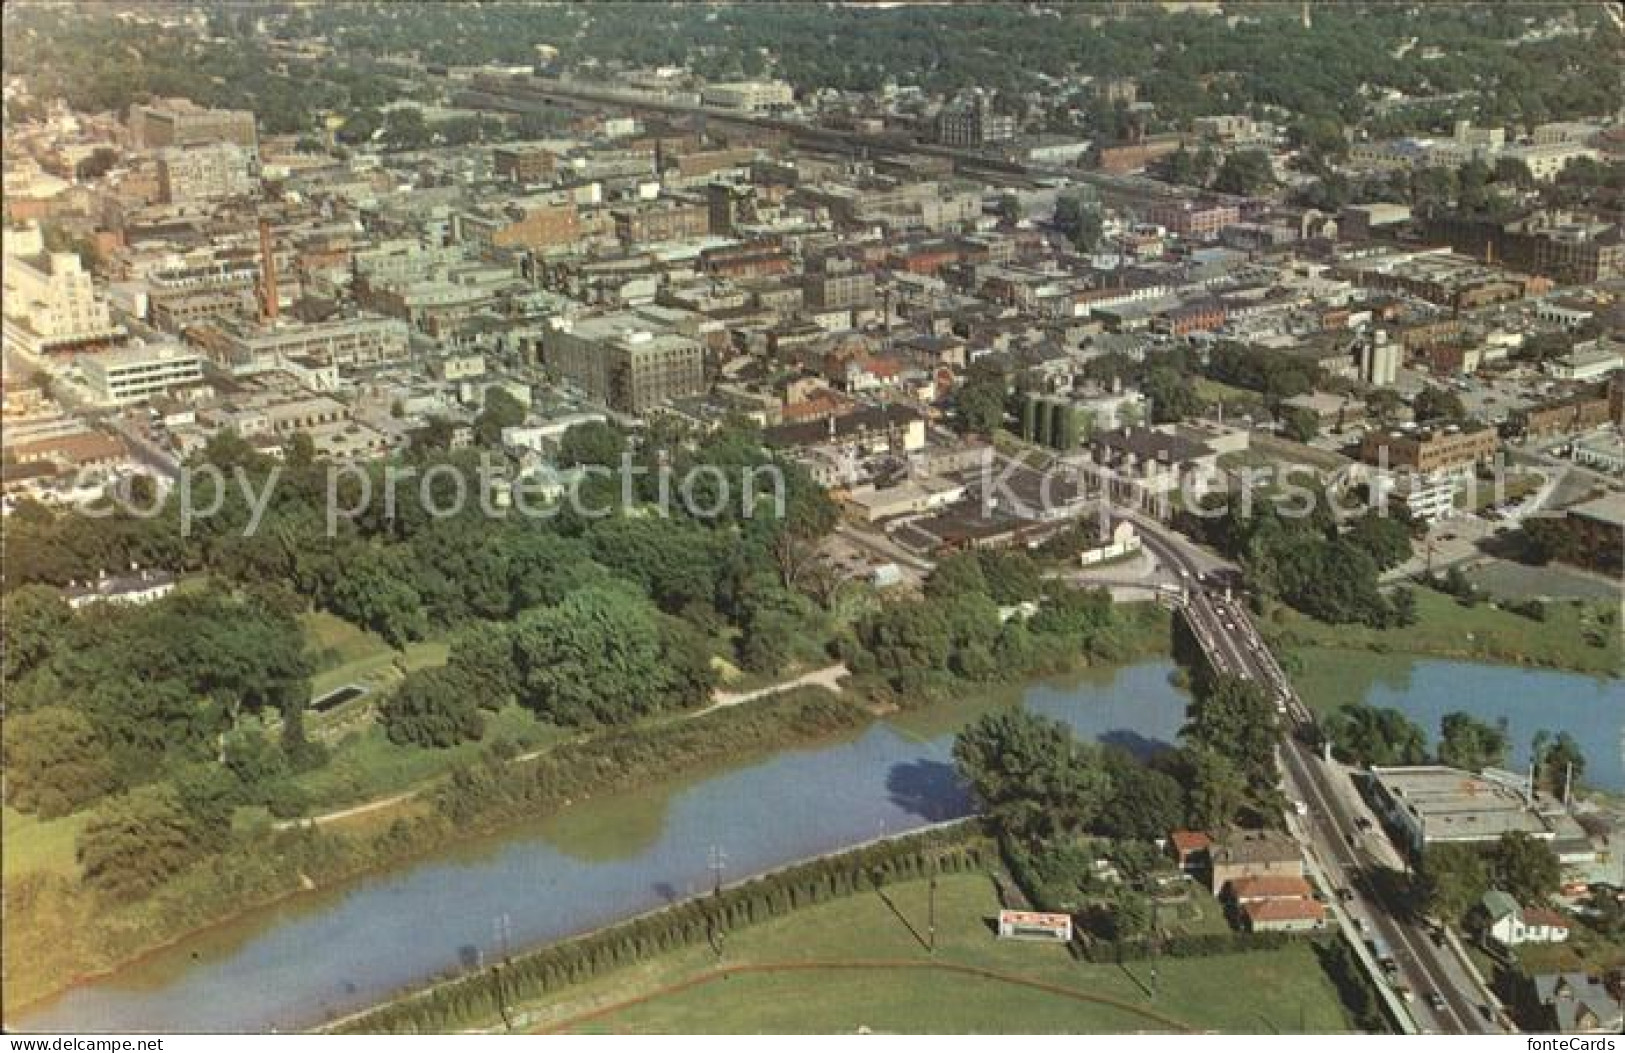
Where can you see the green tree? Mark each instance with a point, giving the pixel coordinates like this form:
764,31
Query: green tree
1471,744
34,622
1031,778
1298,424
1172,395
1434,405
136,842
433,708
1011,576
956,574
55,762
593,442
1557,760
1218,789
602,656
1246,173
980,400
501,410
1145,803
1235,718
1451,880
1526,868
1368,735
1384,538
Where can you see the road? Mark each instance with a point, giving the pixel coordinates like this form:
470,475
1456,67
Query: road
1335,828
79,402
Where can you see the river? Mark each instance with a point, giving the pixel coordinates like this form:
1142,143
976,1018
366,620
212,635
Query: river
335,950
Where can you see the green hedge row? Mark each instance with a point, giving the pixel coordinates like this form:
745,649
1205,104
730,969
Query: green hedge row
479,998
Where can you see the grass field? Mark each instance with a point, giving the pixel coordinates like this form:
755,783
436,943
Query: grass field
1567,639
1235,399
829,990
366,765
33,844
1518,581
348,654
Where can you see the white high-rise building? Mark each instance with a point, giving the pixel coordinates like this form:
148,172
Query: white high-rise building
49,299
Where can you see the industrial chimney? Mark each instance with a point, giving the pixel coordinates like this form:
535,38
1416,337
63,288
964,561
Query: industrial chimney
268,290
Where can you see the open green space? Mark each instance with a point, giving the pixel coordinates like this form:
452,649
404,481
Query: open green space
39,844
1519,581
366,765
1262,991
1582,637
345,653
1236,400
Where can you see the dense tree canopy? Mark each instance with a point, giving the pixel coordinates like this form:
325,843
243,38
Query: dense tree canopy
1029,776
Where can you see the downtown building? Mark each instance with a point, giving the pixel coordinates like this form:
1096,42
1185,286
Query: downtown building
628,361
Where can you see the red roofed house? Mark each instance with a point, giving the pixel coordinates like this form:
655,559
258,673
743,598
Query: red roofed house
1189,848
1275,903
1283,915
1267,888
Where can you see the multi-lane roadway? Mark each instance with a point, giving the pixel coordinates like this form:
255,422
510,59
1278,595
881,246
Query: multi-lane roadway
1435,987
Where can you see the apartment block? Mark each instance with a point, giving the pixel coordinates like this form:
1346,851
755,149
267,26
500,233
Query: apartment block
204,173
181,122
628,361
1448,450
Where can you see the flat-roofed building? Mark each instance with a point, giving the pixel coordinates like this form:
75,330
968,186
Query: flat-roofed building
1434,804
1195,219
182,122
49,299
1589,361
524,163
208,172
245,347
625,360
133,374
1446,450
751,96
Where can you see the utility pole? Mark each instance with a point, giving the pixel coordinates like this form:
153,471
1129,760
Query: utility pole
718,861
931,907
502,925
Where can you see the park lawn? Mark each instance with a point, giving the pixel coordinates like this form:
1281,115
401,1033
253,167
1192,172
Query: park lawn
1234,398
28,844
366,765
345,653
1283,990
1567,639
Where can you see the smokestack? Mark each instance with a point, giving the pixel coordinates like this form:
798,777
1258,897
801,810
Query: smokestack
1568,786
268,290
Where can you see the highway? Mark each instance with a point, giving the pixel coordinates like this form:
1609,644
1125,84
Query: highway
1335,827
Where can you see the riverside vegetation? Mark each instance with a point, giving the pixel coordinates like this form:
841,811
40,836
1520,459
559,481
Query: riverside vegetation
171,735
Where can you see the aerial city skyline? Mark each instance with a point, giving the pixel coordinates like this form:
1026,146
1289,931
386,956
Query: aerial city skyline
888,519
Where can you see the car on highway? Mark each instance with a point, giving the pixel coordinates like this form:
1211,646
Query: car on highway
1436,1002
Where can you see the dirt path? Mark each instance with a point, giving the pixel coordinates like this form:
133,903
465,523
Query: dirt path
829,678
